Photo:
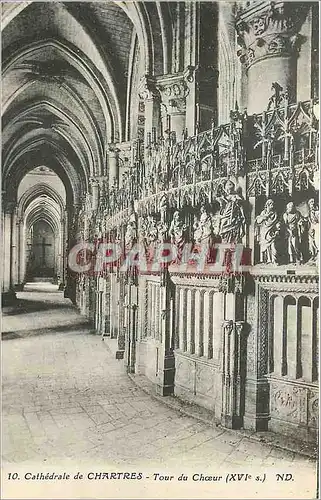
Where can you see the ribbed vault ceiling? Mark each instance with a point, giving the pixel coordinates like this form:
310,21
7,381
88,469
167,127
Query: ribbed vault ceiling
65,83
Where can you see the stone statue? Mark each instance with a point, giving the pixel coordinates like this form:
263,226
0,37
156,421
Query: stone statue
232,218
203,229
313,220
267,230
277,96
131,232
294,223
178,233
149,234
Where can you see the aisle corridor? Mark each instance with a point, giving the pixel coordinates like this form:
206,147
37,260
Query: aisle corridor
65,398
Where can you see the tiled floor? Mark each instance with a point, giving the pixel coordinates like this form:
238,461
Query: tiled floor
66,399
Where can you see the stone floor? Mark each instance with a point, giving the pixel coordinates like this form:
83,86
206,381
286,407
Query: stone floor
66,400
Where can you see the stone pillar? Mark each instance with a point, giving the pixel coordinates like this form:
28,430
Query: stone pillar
14,249
113,166
121,332
257,390
166,360
173,90
8,294
233,355
95,192
131,324
62,258
150,95
270,40
21,253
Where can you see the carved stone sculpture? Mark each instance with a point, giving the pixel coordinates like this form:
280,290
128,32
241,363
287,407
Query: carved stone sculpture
313,220
267,230
277,97
131,232
232,218
203,229
178,233
294,226
149,233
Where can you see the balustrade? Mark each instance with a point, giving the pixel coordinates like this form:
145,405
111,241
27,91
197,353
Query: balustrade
293,337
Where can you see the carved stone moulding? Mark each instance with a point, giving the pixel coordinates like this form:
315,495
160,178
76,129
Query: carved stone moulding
193,279
287,279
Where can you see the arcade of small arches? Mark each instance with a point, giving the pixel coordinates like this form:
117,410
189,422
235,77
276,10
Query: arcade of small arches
183,122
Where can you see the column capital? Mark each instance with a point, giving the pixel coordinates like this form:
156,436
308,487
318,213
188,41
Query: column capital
228,326
269,29
147,89
173,90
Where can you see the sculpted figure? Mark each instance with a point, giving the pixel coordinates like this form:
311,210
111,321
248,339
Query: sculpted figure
232,218
294,222
313,229
277,96
131,232
267,229
203,229
178,233
149,234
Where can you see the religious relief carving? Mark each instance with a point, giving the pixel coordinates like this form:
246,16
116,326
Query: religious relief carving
267,231
278,97
178,233
203,228
294,227
131,231
149,234
232,218
173,90
297,228
313,220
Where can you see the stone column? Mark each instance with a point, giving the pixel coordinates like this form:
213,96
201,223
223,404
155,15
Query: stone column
15,248
166,362
95,192
173,90
120,318
256,415
113,166
150,95
233,354
8,294
269,37
21,253
62,258
131,323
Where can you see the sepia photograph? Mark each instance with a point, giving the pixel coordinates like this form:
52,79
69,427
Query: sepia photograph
160,249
